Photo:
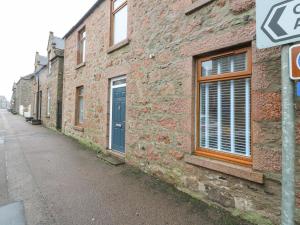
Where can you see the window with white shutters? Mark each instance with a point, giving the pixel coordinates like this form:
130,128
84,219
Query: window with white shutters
224,106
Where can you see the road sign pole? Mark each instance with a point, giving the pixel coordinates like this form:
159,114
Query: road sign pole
288,142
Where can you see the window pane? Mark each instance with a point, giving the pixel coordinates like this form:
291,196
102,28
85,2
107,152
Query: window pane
81,91
119,82
226,64
120,25
213,116
118,3
81,110
225,116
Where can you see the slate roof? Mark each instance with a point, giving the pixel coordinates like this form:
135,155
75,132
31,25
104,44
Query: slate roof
43,60
86,15
59,43
28,77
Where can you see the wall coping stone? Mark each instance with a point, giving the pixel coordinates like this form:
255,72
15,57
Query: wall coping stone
196,6
226,168
80,65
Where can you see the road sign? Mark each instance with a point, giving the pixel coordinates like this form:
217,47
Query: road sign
294,58
278,22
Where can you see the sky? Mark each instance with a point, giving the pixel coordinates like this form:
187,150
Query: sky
25,27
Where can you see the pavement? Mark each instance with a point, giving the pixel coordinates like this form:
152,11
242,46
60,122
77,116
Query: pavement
62,183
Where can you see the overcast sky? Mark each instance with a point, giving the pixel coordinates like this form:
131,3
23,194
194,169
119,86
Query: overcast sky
25,27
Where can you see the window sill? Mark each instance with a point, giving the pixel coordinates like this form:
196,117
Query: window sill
226,168
118,46
80,65
78,128
196,6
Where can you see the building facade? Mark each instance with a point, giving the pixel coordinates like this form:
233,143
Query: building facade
179,90
13,100
23,96
49,84
3,103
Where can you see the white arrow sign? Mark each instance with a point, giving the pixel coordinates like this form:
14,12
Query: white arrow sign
278,22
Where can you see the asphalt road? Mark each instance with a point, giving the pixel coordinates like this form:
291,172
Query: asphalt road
61,183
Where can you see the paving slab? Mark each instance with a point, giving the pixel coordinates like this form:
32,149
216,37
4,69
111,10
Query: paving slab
12,214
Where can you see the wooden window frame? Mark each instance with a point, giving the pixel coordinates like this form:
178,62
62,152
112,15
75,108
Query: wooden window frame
80,39
112,20
214,154
77,106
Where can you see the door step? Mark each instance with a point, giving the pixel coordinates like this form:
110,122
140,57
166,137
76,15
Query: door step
111,159
36,122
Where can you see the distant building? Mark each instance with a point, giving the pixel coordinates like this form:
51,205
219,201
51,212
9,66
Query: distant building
3,103
48,85
22,96
13,106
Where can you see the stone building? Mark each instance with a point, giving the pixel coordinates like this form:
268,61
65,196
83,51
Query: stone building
13,100
3,102
23,95
49,83
179,90
40,74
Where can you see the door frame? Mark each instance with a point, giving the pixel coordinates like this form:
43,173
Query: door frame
111,106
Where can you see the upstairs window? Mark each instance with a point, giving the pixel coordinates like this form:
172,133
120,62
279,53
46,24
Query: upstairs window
49,63
119,21
79,106
49,67
81,46
224,106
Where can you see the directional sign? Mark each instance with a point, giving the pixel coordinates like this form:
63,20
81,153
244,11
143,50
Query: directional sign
277,22
294,62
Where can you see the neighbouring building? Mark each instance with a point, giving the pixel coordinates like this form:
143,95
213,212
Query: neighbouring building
13,100
3,102
23,96
49,84
179,90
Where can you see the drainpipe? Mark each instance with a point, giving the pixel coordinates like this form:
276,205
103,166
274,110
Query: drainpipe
38,98
288,142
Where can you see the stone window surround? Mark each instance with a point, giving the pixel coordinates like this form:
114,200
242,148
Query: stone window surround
125,42
77,125
81,56
246,173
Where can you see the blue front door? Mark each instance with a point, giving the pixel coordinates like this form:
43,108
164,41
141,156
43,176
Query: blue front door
118,119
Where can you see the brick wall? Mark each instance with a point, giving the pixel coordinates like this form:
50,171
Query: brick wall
160,117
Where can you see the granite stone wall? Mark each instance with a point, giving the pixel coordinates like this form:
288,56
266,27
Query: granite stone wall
165,39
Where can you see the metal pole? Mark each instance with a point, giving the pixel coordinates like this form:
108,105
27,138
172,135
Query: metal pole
288,142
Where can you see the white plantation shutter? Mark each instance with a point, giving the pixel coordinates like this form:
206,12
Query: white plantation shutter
225,107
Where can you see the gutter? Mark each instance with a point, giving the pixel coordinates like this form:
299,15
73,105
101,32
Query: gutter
86,15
